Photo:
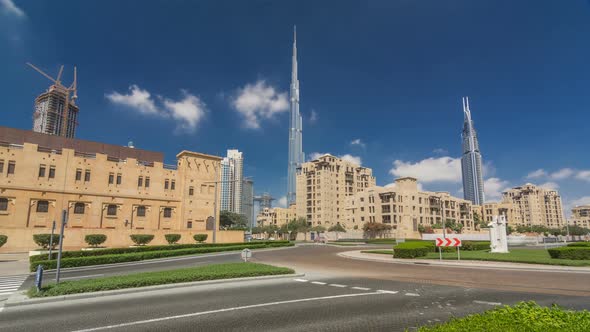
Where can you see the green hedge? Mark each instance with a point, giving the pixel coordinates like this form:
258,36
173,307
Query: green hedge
172,238
577,253
525,316
412,249
133,257
113,251
475,245
141,239
95,239
3,239
200,238
579,244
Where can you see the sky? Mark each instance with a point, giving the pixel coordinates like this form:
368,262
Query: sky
381,82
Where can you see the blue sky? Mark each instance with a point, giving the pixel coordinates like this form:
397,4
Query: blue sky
388,75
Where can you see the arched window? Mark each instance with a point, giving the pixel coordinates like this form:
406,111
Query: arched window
42,206
141,211
3,204
111,210
79,208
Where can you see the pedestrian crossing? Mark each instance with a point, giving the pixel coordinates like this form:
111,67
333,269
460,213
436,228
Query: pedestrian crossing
10,284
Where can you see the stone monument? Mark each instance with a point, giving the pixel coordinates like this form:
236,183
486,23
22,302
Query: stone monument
498,238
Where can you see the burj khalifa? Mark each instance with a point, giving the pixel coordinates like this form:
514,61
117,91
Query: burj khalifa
296,156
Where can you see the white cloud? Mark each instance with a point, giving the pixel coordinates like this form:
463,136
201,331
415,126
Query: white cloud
282,202
443,169
358,142
549,185
583,175
259,101
138,99
351,159
313,117
493,188
567,206
537,174
440,151
9,8
563,173
315,155
392,186
187,112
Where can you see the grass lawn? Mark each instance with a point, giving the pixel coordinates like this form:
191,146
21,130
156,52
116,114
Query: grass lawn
530,256
209,272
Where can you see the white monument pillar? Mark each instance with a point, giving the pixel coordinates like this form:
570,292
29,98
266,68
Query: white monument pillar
498,238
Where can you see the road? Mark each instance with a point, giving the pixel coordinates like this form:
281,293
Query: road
336,294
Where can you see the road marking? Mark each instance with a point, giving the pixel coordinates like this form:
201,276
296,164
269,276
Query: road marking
194,314
301,280
10,284
361,288
486,302
387,291
337,285
80,277
412,294
318,283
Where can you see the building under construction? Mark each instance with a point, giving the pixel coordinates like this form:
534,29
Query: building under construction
56,112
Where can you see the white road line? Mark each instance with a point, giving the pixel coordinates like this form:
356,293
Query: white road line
301,280
486,302
80,277
412,294
10,287
361,288
7,293
154,320
387,291
337,285
318,283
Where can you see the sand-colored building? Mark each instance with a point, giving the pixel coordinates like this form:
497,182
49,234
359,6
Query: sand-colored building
105,189
276,216
581,216
323,185
487,212
534,205
405,208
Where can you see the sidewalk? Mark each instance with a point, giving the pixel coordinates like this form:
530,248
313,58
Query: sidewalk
13,264
357,254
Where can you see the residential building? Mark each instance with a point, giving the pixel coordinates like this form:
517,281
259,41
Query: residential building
471,160
581,216
105,189
296,156
231,181
535,206
276,216
487,211
323,185
248,201
405,208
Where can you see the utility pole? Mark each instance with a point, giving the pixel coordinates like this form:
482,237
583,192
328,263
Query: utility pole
64,221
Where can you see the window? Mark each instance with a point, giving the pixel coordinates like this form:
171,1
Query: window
118,178
111,178
52,172
79,208
42,171
78,175
147,182
3,204
2,166
141,211
167,212
11,167
42,206
111,210
166,184
140,181
173,185
191,191
189,224
87,176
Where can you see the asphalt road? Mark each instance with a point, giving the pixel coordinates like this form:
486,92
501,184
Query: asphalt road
336,294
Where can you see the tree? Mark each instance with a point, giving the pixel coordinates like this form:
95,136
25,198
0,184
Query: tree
374,229
200,238
336,228
95,240
509,230
233,221
318,229
477,222
577,230
298,225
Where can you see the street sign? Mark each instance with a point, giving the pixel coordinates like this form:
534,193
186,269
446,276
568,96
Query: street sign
246,254
448,242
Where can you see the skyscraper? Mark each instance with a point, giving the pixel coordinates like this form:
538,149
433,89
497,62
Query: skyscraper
296,156
56,112
231,181
248,201
471,160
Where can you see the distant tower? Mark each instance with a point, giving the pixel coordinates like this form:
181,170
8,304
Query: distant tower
231,181
248,201
296,156
471,160
56,112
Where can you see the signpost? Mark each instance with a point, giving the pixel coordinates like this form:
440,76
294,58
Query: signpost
64,221
246,254
448,242
51,240
39,277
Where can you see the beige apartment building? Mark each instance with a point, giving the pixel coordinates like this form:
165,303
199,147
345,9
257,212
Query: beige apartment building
405,208
276,216
323,186
535,206
105,189
487,212
581,216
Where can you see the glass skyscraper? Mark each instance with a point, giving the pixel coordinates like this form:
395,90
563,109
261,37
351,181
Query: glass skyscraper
471,160
296,156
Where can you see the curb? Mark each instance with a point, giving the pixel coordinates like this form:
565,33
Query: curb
524,267
20,299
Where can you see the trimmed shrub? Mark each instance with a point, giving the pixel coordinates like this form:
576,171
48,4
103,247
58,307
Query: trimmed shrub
579,244
200,237
475,245
412,249
172,238
141,239
3,239
577,253
43,240
95,240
